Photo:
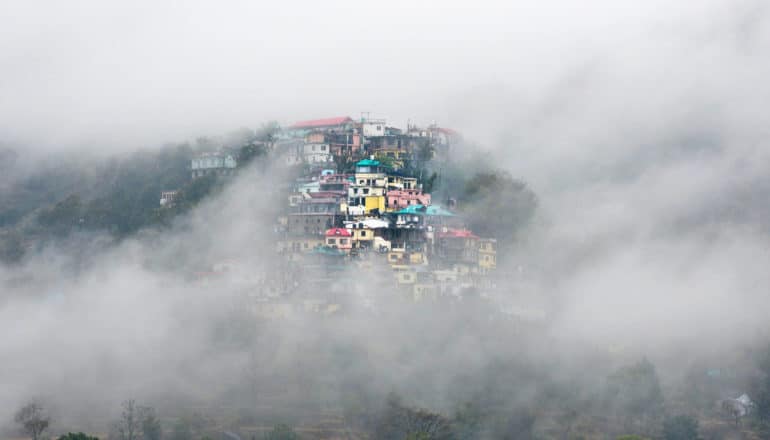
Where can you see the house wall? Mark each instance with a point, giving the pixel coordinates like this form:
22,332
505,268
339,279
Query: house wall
374,202
304,224
340,242
373,128
299,244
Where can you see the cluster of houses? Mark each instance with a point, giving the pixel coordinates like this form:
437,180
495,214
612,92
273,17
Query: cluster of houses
360,201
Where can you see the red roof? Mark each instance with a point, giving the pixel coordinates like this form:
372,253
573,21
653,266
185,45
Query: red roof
448,131
342,232
328,122
457,233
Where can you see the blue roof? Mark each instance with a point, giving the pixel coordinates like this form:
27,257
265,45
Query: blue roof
368,163
425,210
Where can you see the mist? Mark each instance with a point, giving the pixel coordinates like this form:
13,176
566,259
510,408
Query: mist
641,128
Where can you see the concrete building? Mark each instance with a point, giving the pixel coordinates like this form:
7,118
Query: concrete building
220,164
339,238
167,198
399,199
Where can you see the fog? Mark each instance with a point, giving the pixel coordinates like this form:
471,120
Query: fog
639,125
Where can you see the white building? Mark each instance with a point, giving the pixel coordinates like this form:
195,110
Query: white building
221,164
317,153
373,127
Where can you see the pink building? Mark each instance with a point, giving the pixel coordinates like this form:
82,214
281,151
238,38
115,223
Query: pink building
401,198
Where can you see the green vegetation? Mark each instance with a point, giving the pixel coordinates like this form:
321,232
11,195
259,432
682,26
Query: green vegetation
634,394
680,427
77,436
282,432
33,420
497,205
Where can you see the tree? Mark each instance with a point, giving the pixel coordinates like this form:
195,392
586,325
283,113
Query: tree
681,427
151,428
466,423
77,436
399,422
268,133
634,391
182,430
497,205
129,426
33,420
519,425
282,432
11,248
761,391
64,216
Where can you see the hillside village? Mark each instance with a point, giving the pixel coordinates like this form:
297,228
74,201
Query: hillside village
361,201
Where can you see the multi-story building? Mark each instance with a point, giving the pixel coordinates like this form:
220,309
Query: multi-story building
366,194
399,199
339,238
220,164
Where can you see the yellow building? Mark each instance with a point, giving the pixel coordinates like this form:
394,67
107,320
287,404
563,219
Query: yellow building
374,202
362,237
487,254
401,258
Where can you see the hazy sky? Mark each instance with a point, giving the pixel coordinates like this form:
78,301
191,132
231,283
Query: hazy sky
144,72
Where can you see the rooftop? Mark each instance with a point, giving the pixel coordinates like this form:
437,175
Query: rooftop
457,233
326,122
368,163
342,232
426,210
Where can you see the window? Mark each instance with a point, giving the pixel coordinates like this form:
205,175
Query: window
343,241
363,233
366,190
323,147
331,241
305,245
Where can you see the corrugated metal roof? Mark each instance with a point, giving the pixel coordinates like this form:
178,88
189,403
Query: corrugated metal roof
426,210
368,163
457,233
342,232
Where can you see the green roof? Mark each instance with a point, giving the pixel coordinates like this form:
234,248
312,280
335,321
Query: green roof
425,210
368,163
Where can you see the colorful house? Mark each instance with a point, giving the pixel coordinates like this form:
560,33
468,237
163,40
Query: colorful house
367,191
399,199
458,246
339,238
487,254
